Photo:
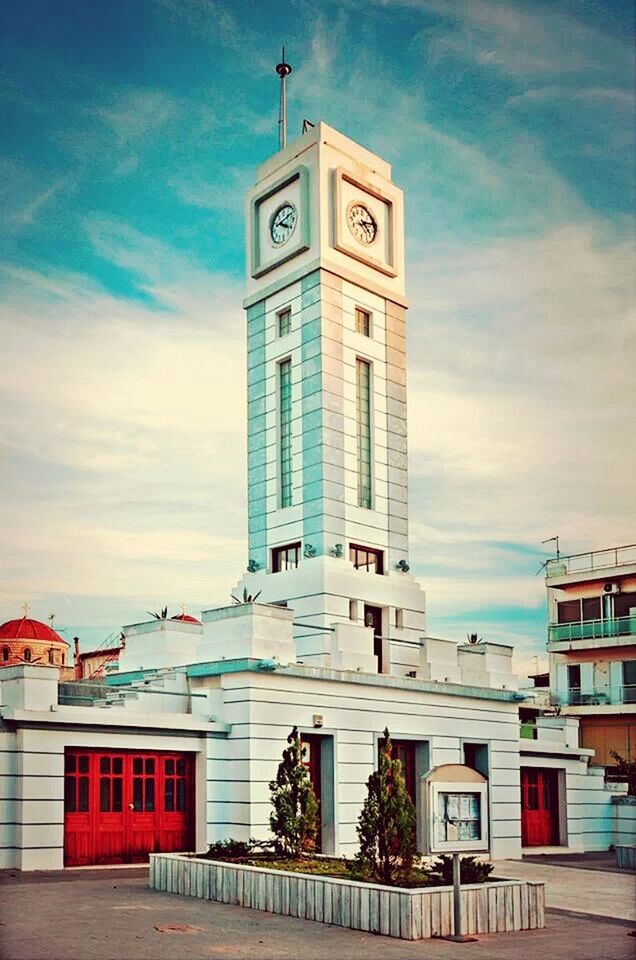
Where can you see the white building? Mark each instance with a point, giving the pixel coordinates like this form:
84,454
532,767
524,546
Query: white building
176,749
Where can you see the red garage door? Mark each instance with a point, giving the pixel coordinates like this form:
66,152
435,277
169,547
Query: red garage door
119,806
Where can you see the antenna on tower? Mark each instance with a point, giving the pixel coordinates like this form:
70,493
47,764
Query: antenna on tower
283,70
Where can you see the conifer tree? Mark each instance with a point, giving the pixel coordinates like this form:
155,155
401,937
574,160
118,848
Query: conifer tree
294,819
386,826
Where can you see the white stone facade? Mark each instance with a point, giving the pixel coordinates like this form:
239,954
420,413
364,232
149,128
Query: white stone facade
228,690
233,714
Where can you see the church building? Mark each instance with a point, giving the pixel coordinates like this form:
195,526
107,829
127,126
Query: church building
174,744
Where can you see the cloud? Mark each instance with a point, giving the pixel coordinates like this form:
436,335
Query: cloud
127,434
135,114
124,413
521,376
520,39
614,96
212,21
29,213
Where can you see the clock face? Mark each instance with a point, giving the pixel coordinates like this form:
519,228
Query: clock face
283,223
361,223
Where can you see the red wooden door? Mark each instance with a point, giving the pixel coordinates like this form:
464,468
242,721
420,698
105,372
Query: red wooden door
120,806
312,760
404,750
77,812
109,820
176,801
539,807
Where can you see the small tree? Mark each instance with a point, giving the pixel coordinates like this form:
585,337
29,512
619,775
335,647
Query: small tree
294,819
626,768
386,826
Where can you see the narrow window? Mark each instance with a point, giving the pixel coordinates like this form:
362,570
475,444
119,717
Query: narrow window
27,655
51,656
366,558
285,558
285,452
363,424
283,318
6,653
574,676
363,322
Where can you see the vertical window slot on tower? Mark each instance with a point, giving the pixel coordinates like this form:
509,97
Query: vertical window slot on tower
284,321
363,422
285,403
363,322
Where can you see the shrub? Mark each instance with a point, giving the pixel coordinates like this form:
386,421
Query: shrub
626,768
471,870
294,819
229,849
386,826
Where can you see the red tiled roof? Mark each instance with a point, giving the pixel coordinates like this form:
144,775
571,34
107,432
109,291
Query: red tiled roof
27,629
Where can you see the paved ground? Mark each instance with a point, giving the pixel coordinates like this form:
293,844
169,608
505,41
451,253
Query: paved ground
605,861
579,888
103,915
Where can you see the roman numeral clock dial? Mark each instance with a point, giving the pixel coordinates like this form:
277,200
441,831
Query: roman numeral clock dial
361,223
283,223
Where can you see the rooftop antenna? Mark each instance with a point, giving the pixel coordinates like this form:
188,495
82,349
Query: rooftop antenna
546,562
553,540
283,70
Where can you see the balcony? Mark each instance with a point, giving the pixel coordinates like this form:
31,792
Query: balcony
604,695
589,562
591,629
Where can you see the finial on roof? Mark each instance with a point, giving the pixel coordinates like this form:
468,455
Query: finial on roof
283,69
26,608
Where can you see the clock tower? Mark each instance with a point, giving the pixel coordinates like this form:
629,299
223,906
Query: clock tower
327,429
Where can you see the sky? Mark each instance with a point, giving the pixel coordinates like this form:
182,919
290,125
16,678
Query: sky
130,132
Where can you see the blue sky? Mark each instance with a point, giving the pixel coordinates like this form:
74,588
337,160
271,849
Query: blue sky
130,133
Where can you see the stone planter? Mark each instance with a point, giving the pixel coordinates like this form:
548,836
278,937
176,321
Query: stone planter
495,907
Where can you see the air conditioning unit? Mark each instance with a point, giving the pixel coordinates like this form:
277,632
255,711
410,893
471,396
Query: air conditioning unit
611,588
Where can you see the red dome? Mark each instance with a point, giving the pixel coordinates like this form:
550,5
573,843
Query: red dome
26,629
186,618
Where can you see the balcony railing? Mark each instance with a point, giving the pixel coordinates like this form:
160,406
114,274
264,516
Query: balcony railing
592,629
596,560
606,695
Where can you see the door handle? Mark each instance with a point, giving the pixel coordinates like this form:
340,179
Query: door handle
131,806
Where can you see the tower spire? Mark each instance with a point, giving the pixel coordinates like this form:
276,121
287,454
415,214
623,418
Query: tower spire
283,70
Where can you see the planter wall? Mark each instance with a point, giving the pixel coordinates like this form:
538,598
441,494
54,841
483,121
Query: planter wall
624,821
626,857
417,914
